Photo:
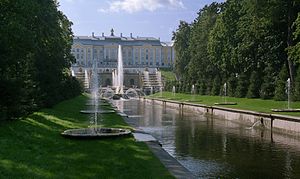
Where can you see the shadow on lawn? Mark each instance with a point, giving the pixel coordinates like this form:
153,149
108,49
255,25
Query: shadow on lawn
34,148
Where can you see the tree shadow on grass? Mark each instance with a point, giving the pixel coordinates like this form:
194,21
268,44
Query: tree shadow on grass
34,148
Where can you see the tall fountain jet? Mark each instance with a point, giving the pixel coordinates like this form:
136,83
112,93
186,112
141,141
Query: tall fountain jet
119,75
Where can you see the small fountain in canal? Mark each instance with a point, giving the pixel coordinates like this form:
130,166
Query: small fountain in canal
193,92
173,91
94,130
288,91
288,86
160,91
193,95
225,92
225,97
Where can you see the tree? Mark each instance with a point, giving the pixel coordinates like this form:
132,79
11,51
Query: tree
232,84
280,90
294,51
296,91
242,86
254,87
216,86
181,43
35,53
222,39
200,66
268,84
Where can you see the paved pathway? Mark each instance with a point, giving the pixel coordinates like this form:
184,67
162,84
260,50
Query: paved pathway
174,167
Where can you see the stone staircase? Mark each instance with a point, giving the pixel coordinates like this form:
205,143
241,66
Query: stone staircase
151,80
81,77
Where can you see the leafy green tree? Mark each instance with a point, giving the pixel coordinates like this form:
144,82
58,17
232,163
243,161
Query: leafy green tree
254,87
216,86
268,84
35,48
181,43
242,86
232,84
222,39
296,91
200,66
201,87
280,90
294,51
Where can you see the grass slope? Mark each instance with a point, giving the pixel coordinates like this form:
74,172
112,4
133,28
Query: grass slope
168,75
258,105
34,148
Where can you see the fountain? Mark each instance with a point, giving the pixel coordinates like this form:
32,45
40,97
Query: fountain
256,123
288,91
173,91
118,78
119,74
86,79
114,84
108,93
193,92
288,84
132,93
72,73
193,95
95,98
225,92
225,97
94,131
160,92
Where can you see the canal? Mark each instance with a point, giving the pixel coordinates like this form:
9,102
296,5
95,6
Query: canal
216,148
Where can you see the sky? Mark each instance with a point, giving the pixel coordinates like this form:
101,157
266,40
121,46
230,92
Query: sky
143,18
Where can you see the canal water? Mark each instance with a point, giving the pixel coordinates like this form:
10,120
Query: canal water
216,148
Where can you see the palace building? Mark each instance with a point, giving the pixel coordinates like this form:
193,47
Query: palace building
138,52
142,59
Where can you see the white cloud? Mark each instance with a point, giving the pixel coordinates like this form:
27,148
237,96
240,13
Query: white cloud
132,6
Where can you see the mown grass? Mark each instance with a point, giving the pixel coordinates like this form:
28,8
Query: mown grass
34,148
168,75
258,105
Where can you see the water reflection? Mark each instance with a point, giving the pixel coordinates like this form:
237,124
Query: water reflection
217,148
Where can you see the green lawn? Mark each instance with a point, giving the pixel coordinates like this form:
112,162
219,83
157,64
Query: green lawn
168,75
258,105
34,148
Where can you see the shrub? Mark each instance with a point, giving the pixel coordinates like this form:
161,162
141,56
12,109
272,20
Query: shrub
280,90
242,86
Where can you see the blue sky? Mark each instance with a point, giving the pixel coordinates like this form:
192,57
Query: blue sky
144,18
